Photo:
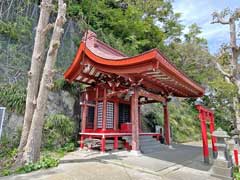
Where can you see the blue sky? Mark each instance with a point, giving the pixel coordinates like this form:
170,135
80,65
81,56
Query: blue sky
199,11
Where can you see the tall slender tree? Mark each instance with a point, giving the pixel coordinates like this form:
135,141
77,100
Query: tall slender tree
32,148
232,72
34,73
38,90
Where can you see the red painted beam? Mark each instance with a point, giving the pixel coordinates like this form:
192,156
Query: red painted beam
147,94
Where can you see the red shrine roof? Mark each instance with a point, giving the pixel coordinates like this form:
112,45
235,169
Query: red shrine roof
97,62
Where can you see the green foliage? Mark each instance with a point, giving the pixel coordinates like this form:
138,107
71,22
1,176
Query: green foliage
9,29
7,161
68,147
58,130
13,97
62,84
131,30
142,26
193,58
73,9
193,35
183,119
5,172
44,163
8,146
8,151
16,30
236,173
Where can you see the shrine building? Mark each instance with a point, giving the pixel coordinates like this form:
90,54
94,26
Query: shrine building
116,88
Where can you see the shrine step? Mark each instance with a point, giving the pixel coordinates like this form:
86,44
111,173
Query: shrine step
150,149
110,144
147,144
141,138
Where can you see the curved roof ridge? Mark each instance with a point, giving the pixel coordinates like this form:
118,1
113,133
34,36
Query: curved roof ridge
151,64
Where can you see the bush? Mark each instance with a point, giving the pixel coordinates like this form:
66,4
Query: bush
18,29
183,120
8,146
45,162
68,147
58,130
8,151
62,84
13,97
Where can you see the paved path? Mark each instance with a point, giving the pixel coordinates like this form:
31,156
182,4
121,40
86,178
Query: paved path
182,162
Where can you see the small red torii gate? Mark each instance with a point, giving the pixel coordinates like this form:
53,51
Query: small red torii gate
204,115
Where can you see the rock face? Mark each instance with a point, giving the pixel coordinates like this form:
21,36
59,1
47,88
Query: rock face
60,102
12,124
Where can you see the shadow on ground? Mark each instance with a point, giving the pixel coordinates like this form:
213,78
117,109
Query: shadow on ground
179,155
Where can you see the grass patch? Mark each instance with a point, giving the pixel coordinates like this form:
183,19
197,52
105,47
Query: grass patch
49,158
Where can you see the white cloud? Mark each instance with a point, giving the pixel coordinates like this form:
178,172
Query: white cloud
199,12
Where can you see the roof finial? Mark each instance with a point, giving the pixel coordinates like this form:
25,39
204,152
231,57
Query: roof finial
88,35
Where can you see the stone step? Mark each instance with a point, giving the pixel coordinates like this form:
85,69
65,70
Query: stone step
109,146
149,141
221,171
141,138
150,146
127,138
150,150
145,137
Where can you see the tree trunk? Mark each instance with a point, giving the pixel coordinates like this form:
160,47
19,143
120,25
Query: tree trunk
236,121
236,106
234,66
35,70
32,149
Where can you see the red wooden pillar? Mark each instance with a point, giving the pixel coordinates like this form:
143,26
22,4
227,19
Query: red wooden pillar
115,124
96,110
84,118
104,109
212,128
235,152
84,112
204,136
139,117
81,142
166,124
103,144
115,116
115,143
135,121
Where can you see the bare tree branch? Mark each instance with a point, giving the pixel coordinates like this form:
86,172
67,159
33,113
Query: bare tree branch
220,69
237,13
218,18
48,28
